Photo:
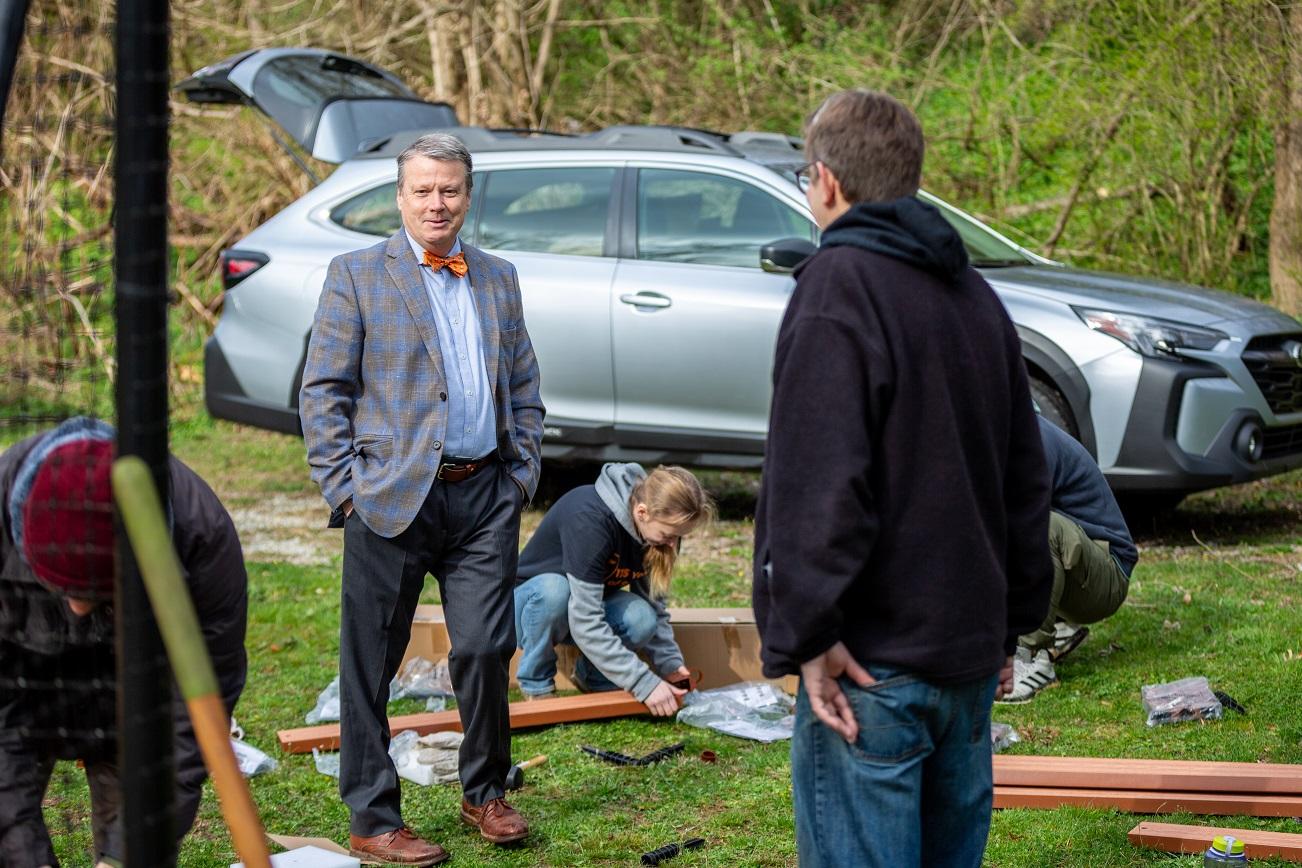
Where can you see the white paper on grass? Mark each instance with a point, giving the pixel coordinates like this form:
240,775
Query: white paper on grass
752,709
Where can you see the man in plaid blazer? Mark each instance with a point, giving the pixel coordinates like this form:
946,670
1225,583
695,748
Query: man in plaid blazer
423,423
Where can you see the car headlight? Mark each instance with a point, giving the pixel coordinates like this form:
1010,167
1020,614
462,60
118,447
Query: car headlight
1148,336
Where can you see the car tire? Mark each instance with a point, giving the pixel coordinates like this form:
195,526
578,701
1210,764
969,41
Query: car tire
1053,406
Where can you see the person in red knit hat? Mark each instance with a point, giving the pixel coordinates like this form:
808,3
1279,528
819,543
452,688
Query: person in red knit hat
57,670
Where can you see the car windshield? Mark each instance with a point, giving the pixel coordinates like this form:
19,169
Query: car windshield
984,247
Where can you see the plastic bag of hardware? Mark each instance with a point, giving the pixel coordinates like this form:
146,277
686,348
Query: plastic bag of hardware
421,679
439,752
1178,701
252,761
327,704
425,760
326,761
752,709
1001,736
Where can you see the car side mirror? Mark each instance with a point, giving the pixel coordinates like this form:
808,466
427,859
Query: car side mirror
782,256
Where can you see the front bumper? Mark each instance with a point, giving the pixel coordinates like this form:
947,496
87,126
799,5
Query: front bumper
1188,431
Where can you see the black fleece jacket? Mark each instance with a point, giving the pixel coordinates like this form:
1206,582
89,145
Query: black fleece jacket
57,670
905,499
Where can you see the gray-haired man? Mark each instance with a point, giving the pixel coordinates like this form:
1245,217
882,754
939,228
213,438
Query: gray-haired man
423,424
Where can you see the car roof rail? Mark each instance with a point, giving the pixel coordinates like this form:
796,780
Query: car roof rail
474,138
760,137
653,137
531,132
662,138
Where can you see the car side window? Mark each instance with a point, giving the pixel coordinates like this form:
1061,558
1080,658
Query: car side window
546,210
706,219
375,211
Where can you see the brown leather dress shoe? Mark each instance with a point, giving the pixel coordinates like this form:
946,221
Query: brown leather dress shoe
399,847
496,820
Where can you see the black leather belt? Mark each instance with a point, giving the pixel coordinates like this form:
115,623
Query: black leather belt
457,471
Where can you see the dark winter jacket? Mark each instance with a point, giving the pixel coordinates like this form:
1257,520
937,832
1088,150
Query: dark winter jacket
904,504
57,672
1081,492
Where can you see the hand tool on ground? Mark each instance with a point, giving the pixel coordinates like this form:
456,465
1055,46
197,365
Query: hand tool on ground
515,777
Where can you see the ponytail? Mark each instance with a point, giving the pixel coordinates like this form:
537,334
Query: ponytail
673,495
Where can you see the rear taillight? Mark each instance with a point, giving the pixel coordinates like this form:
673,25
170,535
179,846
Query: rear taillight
239,264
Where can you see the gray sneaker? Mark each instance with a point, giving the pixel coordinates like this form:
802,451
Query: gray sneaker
1031,674
1066,638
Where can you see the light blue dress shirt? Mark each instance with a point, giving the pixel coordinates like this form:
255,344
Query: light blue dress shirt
472,429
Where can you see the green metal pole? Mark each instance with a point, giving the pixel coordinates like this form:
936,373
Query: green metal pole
142,515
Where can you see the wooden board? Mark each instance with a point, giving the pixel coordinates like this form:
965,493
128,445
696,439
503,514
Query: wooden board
1174,838
1140,774
538,712
1150,801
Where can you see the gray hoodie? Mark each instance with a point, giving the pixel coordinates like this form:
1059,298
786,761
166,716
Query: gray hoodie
588,626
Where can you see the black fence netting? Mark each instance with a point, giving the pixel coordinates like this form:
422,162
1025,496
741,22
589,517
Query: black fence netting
61,793
56,273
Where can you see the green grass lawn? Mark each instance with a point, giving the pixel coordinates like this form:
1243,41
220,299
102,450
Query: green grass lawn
1216,593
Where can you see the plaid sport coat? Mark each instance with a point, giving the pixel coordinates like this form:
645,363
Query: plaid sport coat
374,400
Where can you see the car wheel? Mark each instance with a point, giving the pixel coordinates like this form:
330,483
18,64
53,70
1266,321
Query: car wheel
1053,406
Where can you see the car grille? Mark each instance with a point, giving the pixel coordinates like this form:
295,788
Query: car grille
1275,362
1281,442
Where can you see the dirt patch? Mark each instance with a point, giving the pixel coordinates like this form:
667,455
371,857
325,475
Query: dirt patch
287,529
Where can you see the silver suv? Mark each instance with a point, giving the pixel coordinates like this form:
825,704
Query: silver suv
655,265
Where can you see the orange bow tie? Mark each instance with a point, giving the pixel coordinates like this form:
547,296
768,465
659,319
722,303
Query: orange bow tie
455,264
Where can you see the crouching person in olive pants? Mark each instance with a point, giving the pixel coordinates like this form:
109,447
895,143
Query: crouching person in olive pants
1093,556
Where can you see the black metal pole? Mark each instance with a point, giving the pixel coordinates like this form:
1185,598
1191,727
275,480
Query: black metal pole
145,760
13,18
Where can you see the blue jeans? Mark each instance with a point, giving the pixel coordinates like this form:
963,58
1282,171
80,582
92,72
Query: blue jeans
915,788
542,622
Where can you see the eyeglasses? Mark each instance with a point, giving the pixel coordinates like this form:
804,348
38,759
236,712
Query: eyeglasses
805,175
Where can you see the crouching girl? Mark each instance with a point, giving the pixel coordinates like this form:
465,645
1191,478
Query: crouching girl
596,573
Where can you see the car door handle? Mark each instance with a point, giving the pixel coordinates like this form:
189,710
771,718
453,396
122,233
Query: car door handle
646,299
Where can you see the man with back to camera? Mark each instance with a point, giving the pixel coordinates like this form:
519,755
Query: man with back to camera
423,424
900,535
57,669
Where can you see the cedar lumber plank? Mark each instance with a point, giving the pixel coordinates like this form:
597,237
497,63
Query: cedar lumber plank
538,712
1175,838
1150,801
1144,774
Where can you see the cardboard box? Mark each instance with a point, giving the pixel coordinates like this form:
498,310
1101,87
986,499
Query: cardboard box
723,644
